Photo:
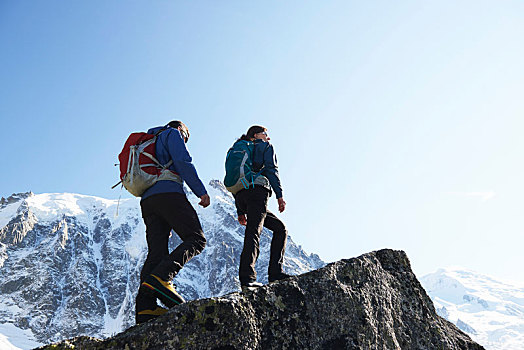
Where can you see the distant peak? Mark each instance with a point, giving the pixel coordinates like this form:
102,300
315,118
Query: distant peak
217,184
15,197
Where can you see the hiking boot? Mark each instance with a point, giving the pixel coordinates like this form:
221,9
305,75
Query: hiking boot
147,315
163,290
280,276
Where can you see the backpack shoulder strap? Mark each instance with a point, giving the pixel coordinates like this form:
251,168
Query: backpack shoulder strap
161,130
168,164
259,162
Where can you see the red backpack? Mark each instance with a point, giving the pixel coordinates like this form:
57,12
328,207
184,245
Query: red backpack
139,168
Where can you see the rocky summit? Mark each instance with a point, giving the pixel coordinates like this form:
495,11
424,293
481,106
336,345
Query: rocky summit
373,301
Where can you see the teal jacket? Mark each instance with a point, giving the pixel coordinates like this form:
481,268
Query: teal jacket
265,158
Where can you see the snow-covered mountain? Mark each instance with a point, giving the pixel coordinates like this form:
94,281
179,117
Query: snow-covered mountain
70,266
490,311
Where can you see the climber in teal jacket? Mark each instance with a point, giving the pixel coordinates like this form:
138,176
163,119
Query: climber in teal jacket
252,211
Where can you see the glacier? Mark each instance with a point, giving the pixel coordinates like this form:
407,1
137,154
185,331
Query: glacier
489,310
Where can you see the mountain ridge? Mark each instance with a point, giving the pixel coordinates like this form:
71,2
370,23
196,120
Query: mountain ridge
27,218
81,263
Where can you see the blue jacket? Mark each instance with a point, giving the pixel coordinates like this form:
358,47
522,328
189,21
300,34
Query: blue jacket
171,145
264,155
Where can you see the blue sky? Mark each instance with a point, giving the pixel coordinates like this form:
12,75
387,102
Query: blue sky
396,124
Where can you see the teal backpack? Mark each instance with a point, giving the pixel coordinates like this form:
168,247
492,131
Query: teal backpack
239,167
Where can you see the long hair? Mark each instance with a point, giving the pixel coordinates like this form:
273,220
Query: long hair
250,134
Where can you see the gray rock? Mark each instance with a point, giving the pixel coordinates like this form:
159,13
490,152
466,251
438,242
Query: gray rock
370,302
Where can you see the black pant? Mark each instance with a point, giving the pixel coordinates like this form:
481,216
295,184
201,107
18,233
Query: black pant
163,212
253,201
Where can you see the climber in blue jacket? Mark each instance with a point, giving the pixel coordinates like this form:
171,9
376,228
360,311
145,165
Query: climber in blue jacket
164,208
